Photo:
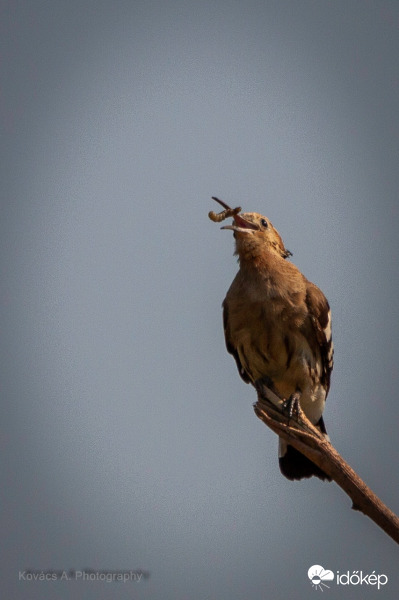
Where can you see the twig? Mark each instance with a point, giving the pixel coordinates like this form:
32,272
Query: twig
299,432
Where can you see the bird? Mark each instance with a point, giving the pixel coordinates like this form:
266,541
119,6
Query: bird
277,326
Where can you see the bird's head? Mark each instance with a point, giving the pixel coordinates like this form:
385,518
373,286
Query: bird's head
255,234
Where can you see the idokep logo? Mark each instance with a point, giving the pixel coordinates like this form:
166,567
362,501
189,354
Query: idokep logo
318,575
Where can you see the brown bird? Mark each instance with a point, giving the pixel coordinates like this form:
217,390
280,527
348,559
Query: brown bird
278,328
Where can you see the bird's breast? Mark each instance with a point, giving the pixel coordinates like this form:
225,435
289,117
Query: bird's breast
269,340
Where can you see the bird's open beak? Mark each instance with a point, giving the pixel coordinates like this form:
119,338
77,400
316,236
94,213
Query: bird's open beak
242,225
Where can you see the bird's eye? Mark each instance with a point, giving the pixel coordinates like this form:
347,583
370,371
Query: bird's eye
264,223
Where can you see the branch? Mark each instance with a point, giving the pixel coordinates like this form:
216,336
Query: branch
299,432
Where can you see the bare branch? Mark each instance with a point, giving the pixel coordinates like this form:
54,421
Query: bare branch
299,432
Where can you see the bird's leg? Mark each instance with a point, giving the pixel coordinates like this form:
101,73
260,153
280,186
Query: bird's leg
292,406
267,391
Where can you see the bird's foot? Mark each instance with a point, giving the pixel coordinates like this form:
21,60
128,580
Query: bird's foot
292,407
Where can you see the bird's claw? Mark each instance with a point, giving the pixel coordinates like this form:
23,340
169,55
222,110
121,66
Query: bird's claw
291,406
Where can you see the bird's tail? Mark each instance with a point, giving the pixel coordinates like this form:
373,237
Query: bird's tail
295,465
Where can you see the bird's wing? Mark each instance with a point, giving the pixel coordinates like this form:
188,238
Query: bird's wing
320,315
229,343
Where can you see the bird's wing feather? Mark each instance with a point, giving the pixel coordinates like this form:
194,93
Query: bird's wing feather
319,311
230,346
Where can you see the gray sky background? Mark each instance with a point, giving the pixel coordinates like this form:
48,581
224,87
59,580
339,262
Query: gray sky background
129,440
